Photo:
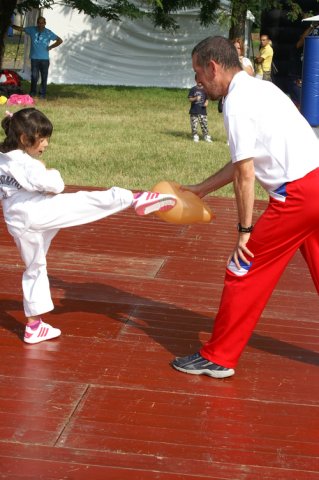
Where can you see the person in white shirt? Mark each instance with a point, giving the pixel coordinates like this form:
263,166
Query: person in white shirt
35,209
271,141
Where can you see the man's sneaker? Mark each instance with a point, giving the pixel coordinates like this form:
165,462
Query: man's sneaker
150,202
198,365
208,139
41,333
196,138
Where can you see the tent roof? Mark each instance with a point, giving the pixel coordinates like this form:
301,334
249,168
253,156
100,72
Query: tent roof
311,19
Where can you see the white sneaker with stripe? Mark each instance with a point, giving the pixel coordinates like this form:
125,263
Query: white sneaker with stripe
40,334
150,202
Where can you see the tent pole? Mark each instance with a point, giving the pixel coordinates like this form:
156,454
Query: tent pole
19,42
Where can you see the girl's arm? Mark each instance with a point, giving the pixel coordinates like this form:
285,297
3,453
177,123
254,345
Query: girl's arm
33,176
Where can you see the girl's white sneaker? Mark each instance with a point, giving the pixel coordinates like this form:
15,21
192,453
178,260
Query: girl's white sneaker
150,202
41,333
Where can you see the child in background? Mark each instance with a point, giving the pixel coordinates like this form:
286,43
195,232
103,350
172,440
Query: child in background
198,112
35,209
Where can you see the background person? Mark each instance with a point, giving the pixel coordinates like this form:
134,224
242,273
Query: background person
245,62
264,59
198,111
41,38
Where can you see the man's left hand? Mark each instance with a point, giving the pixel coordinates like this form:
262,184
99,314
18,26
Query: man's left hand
241,252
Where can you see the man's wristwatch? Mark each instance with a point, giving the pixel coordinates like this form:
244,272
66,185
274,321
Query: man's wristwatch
242,229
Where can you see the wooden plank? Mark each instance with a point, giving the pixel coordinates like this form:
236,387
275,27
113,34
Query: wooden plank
102,401
73,464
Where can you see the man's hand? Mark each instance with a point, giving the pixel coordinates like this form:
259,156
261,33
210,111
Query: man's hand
196,189
241,252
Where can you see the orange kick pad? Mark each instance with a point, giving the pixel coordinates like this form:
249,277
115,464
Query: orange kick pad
188,209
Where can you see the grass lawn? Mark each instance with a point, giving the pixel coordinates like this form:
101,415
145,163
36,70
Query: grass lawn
130,137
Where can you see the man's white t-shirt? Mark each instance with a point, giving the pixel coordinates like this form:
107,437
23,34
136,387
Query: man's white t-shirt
262,123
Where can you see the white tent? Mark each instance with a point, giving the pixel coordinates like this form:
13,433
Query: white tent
130,53
311,19
126,53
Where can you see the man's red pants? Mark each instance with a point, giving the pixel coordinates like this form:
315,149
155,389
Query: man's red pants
280,231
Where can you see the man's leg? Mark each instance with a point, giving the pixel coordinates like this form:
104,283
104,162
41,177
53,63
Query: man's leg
34,77
281,230
243,301
267,76
44,70
310,252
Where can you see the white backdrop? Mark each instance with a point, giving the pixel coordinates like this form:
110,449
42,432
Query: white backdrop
127,53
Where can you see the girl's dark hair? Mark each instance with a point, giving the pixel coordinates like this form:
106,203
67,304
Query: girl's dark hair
219,49
28,121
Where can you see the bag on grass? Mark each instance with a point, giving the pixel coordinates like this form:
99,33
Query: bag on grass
17,99
10,82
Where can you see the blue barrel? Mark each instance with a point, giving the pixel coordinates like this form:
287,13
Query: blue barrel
310,81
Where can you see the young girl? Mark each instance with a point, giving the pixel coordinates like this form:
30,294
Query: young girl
35,209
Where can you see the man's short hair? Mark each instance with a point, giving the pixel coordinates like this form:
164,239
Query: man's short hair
219,49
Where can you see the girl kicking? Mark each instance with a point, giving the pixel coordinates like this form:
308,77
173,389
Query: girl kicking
35,209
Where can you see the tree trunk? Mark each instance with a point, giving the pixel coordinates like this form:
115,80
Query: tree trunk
238,19
7,8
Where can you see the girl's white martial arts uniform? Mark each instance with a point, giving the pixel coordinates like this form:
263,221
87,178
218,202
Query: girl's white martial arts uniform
35,209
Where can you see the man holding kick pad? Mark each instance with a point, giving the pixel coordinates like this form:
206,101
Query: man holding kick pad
271,141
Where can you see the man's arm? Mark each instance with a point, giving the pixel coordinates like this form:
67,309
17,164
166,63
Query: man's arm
214,182
17,27
244,187
56,43
242,174
301,39
259,59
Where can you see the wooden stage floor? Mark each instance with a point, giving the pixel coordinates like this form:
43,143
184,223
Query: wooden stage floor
103,403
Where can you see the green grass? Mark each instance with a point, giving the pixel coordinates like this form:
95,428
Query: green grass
129,137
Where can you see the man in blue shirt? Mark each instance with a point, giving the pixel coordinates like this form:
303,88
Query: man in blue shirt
41,39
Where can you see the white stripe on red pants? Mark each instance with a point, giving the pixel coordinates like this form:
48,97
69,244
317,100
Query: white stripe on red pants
280,231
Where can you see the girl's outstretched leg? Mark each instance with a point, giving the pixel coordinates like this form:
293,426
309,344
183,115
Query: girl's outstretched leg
71,209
